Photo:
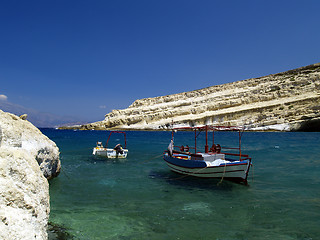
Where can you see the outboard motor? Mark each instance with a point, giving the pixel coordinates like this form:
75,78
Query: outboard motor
118,149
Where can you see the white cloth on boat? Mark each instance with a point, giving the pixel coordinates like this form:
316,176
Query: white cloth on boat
216,162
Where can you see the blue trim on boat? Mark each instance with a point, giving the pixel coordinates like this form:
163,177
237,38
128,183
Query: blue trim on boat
187,163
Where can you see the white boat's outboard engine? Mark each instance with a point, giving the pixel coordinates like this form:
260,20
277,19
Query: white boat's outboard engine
118,149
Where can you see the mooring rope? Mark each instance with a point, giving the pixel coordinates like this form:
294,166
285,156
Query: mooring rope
73,151
252,171
224,172
151,159
65,173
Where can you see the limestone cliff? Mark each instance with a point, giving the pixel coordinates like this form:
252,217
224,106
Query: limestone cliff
27,158
282,101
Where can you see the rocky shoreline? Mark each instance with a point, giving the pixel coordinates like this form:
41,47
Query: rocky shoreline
27,160
287,101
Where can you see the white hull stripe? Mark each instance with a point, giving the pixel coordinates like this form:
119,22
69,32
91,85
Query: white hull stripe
212,172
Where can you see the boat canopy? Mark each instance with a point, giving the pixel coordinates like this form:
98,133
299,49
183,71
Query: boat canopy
125,137
207,128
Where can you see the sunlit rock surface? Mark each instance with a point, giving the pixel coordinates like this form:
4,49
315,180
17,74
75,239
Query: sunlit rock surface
19,133
27,158
24,196
283,101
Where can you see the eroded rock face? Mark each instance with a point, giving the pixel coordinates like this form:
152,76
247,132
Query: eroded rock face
24,196
27,158
19,133
285,99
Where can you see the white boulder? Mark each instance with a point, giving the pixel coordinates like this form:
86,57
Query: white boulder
19,133
27,158
24,196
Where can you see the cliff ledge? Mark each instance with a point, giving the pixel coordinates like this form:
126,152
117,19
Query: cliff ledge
287,101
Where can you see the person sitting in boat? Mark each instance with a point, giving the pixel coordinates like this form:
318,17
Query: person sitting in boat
213,148
218,148
186,148
170,148
118,148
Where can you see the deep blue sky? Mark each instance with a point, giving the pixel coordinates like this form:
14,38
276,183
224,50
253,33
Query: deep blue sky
85,58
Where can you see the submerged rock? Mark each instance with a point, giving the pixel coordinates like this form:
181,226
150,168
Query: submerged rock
56,232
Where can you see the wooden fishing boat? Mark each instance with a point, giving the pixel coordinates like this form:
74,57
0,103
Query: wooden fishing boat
117,152
213,162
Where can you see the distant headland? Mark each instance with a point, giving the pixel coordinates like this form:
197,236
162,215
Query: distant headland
286,101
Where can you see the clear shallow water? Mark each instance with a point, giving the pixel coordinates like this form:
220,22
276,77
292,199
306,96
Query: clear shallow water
140,198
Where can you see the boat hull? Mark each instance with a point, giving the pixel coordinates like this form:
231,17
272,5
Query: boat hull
236,170
109,153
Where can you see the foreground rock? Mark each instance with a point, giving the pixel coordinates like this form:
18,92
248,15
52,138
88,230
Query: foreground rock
24,189
284,101
24,196
21,134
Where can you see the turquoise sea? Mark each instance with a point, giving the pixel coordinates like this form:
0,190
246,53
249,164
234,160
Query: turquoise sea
140,198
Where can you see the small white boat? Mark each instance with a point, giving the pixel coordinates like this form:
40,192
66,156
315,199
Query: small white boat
212,163
117,152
